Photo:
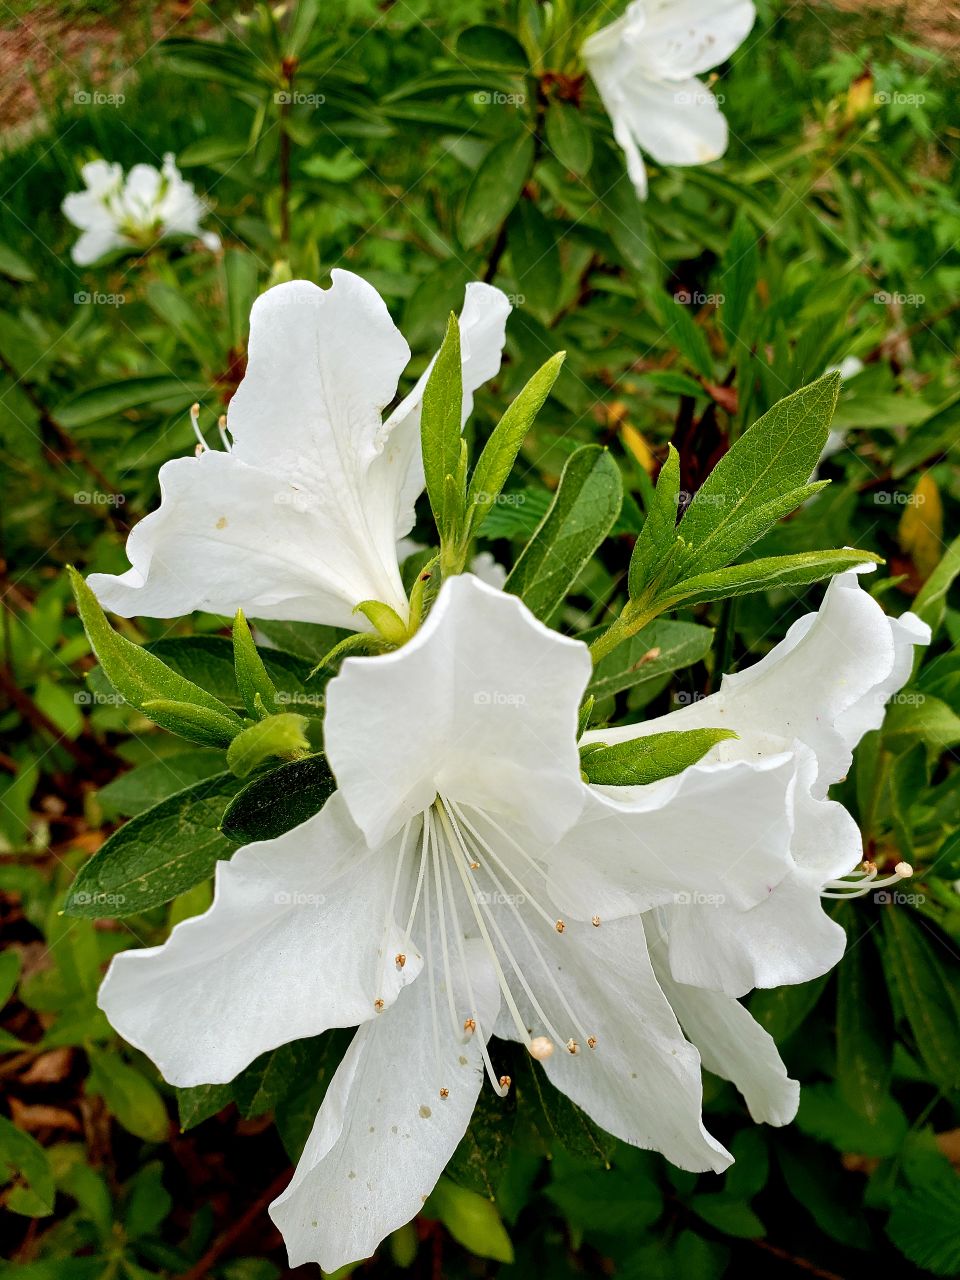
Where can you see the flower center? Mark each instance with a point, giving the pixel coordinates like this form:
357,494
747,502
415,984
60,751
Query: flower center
467,887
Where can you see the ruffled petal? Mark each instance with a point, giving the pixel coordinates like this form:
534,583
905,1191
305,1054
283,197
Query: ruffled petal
683,38
293,944
713,832
229,536
642,1080
384,1134
731,1043
480,707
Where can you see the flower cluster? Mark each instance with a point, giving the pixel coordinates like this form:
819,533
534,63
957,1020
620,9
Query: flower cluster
133,213
465,882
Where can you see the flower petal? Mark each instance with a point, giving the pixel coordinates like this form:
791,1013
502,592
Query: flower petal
721,832
676,123
785,940
732,1044
480,706
228,536
293,944
384,1134
826,683
642,1081
683,38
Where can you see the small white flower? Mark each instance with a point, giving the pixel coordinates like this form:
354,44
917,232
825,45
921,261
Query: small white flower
815,694
645,67
431,902
299,518
150,205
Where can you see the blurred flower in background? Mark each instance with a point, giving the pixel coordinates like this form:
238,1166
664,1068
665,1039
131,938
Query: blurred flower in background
134,212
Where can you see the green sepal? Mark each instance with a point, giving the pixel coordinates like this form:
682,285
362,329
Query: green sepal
387,621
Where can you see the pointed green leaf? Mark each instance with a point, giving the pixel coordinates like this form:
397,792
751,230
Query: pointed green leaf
157,855
650,758
495,187
776,455
440,421
581,515
659,533
140,677
252,677
765,575
660,647
500,452
278,801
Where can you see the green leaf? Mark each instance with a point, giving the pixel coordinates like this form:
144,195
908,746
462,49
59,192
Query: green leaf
241,275
495,187
14,267
131,1098
775,457
559,1119
281,735
660,647
201,1102
825,1115
569,138
440,422
782,1010
296,1110
140,677
472,1220
931,602
481,1158
492,47
923,1224
766,575
208,661
738,276
22,1158
9,973
609,1202
653,550
157,855
732,1217
114,398
500,452
581,515
252,678
146,785
648,759
535,256
279,801
865,1035
682,330
928,980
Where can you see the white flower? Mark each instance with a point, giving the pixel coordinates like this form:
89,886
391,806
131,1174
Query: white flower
151,205
299,518
816,694
645,67
421,903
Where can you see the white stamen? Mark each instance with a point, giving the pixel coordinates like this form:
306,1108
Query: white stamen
195,423
860,883
388,917
222,428
442,917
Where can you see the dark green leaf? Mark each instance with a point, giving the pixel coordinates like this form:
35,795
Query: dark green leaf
279,801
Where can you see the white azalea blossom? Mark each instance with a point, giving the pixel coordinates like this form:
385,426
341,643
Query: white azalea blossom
298,517
815,694
447,892
135,212
645,67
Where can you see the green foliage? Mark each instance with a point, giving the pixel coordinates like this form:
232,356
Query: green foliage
668,465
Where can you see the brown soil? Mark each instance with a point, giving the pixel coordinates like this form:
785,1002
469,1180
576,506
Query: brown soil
933,23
